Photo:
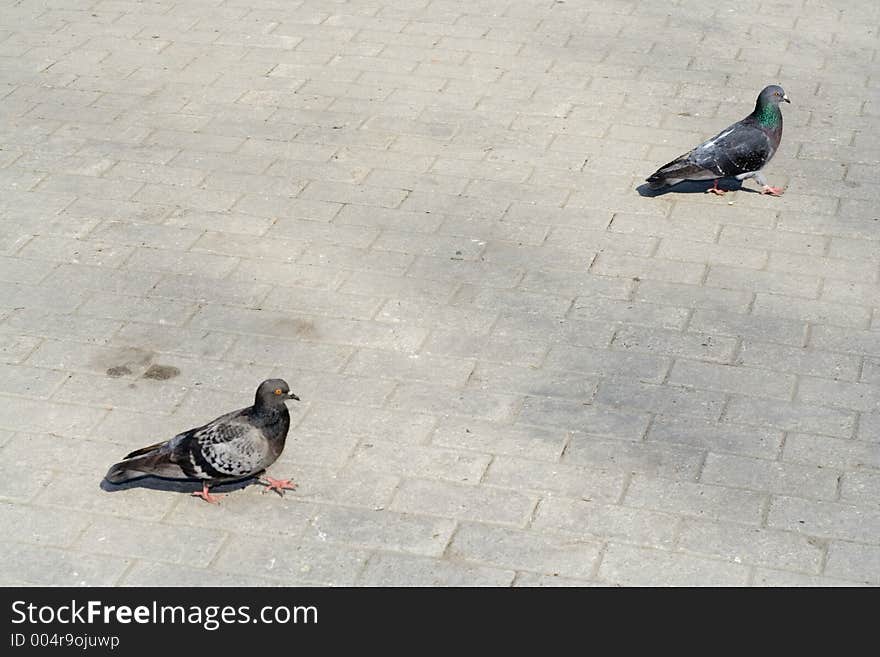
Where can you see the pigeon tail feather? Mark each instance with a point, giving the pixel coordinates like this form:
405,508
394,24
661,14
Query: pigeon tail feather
119,473
679,169
154,462
145,450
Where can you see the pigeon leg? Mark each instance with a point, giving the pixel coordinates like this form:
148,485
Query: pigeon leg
278,485
765,188
205,495
715,189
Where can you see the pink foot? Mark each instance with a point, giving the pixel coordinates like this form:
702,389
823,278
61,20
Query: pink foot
715,189
205,495
278,485
773,191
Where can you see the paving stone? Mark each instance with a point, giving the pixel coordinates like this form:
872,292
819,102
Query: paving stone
536,580
389,569
593,519
766,282
699,500
146,573
419,461
531,381
635,566
38,416
687,345
630,312
791,416
818,312
648,268
569,480
780,578
772,476
824,519
582,416
401,426
642,367
46,566
828,452
360,489
493,438
770,329
759,442
860,487
523,550
860,563
843,394
795,360
384,530
846,340
80,491
751,545
291,325
290,561
429,398
728,378
107,392
669,461
662,399
132,538
521,326
464,502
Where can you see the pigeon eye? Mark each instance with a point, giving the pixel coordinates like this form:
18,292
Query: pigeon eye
277,391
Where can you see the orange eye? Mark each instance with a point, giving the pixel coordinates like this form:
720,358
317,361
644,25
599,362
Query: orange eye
277,391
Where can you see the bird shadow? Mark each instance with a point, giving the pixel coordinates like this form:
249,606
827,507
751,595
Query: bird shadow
695,187
153,482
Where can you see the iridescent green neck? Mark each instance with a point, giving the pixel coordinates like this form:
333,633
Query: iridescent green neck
768,115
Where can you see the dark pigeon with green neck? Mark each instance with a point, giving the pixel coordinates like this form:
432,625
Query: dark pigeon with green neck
740,151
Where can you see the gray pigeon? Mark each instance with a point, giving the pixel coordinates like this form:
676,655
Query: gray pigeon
235,446
739,151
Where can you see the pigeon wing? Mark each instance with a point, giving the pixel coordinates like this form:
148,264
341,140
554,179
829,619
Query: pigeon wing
227,448
742,148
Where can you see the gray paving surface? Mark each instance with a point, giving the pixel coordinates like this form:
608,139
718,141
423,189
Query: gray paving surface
515,369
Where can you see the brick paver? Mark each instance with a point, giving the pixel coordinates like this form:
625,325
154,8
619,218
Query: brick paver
515,369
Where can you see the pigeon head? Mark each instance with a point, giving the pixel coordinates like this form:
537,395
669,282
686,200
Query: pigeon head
767,112
272,392
772,95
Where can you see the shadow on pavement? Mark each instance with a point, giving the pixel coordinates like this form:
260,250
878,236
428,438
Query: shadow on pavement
175,485
694,187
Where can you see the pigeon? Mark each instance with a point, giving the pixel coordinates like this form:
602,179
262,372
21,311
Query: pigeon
740,150
235,446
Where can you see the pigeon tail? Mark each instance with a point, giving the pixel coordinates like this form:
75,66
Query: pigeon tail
119,473
659,182
143,462
680,169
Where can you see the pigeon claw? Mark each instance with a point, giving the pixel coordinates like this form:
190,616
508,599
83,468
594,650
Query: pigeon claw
773,191
206,495
278,485
715,189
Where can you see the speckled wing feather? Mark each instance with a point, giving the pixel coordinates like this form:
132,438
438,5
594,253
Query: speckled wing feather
227,448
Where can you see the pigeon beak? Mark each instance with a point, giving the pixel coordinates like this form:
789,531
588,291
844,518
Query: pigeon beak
785,98
292,396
